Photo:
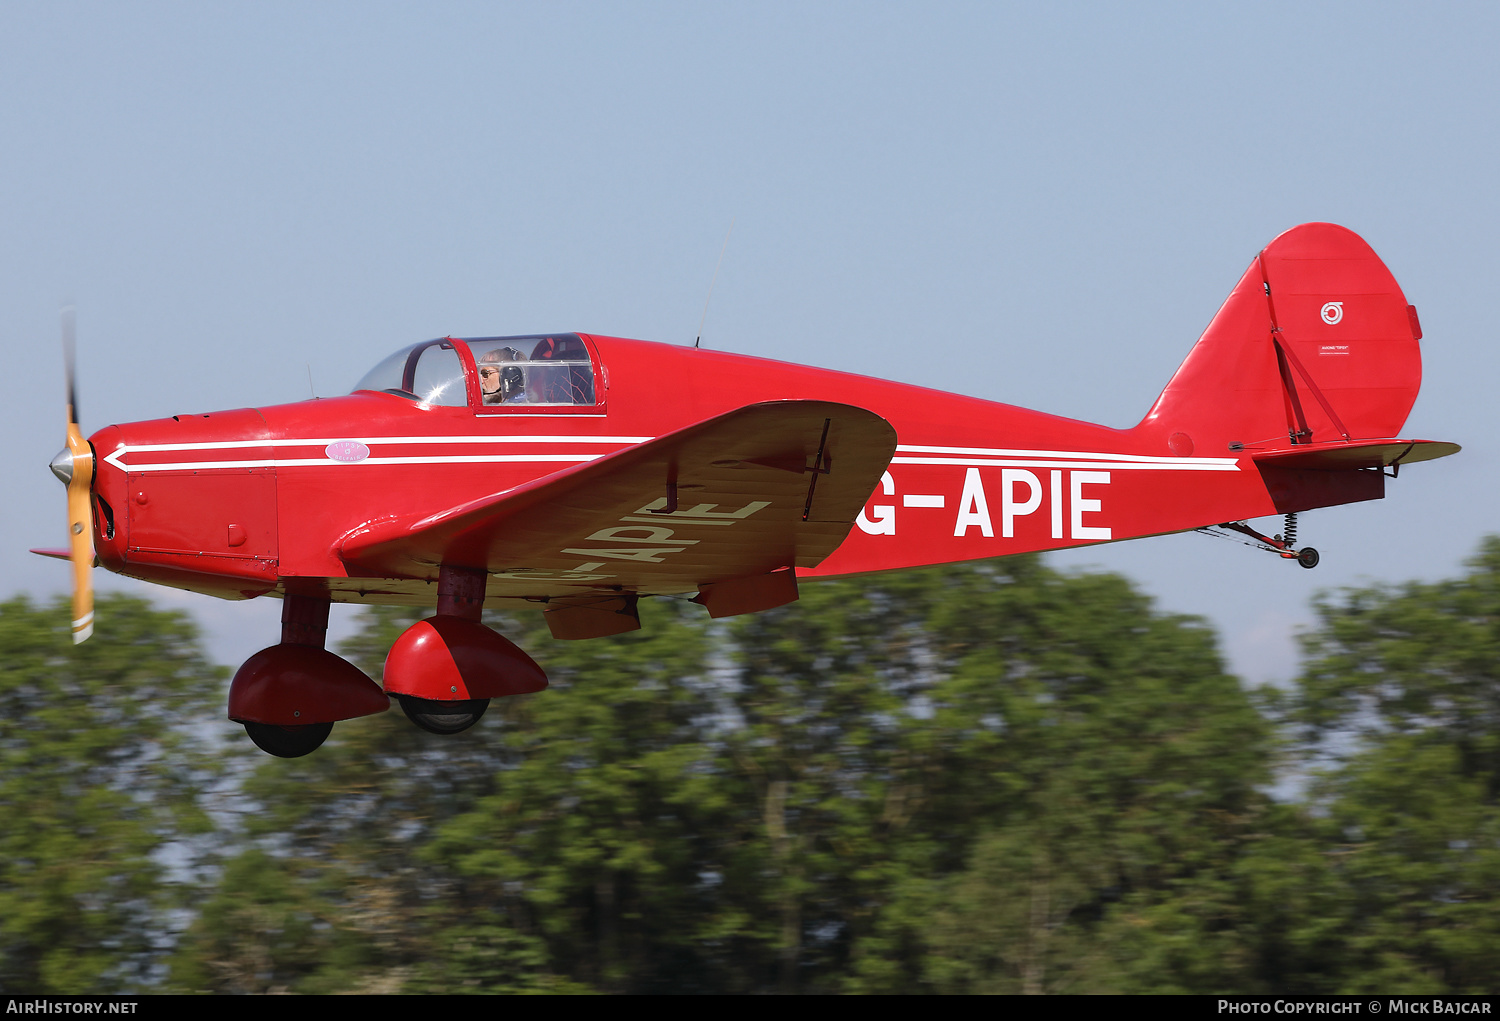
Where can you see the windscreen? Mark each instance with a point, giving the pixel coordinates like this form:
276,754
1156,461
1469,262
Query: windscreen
430,373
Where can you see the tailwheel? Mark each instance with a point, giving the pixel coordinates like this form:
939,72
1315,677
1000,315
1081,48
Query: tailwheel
1307,557
288,742
440,717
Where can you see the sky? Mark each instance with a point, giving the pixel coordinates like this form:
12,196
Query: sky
1041,204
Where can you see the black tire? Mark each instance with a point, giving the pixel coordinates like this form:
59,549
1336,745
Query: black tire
288,742
439,717
1307,557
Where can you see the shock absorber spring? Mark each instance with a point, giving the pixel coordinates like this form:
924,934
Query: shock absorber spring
1289,530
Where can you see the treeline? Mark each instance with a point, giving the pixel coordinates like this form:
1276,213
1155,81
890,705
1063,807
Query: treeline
988,778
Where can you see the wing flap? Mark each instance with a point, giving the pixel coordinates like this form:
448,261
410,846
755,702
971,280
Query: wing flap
752,495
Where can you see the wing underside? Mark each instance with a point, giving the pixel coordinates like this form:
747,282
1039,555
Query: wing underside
767,486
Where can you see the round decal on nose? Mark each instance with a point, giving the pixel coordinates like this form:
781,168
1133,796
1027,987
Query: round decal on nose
1333,312
348,451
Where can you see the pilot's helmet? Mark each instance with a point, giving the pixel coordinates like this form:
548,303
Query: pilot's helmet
512,382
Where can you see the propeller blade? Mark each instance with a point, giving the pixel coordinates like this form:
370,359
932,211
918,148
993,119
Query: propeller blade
80,503
70,353
81,535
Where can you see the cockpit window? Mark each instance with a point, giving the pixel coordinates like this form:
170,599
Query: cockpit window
534,371
430,373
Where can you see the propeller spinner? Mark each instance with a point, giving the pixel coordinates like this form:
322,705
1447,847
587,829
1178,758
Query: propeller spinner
74,464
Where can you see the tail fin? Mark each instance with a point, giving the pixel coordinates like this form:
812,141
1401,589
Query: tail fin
1316,343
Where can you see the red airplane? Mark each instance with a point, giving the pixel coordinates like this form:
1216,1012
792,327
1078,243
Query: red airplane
580,472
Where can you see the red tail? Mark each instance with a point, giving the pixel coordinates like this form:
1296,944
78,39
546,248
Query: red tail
1316,343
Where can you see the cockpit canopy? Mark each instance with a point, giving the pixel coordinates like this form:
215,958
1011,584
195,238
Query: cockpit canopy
536,371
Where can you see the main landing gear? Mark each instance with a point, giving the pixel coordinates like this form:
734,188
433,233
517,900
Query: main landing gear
289,696
1283,545
443,671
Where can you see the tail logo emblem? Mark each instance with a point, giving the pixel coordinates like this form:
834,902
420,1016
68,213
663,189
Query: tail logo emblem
1333,312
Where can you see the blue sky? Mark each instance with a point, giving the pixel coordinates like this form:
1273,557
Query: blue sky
1038,204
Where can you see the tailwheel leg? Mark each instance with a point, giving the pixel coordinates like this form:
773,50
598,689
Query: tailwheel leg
1283,545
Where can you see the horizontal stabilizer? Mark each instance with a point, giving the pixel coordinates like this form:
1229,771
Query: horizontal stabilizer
1350,456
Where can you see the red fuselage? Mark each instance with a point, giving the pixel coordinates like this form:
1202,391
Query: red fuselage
242,503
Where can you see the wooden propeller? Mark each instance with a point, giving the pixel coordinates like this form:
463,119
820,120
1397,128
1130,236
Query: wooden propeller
75,466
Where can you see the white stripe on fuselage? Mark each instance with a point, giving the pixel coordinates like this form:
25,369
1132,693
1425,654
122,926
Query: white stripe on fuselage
1188,464
116,458
307,462
1016,458
931,455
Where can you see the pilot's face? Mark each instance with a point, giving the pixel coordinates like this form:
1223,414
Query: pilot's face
489,379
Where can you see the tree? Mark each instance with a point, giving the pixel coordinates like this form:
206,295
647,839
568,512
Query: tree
325,891
981,777
104,769
1401,694
585,857
1070,760
822,772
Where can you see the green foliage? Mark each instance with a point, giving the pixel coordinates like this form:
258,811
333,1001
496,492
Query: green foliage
588,843
1084,761
1402,691
326,892
103,771
1420,659
982,778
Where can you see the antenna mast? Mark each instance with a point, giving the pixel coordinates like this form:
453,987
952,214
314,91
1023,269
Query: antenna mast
714,281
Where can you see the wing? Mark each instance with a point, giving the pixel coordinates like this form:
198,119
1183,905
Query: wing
763,487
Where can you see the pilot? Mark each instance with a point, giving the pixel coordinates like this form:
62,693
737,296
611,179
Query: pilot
499,381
